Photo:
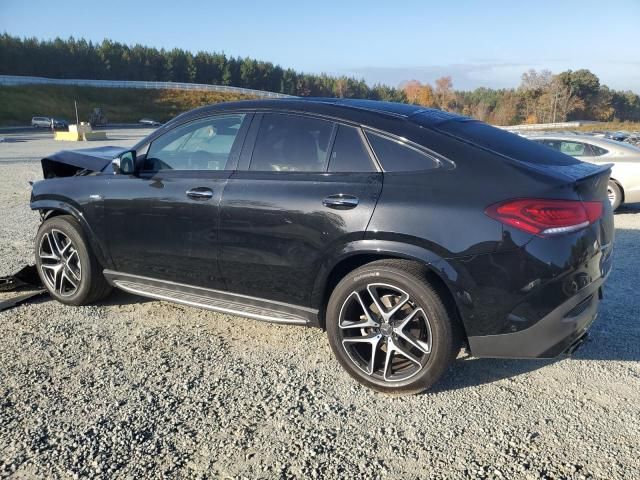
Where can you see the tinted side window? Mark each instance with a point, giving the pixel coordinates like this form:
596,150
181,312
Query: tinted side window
201,145
575,149
555,144
291,143
598,151
349,153
396,156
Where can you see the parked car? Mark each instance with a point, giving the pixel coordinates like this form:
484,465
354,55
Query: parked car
624,184
41,122
618,136
404,232
60,124
150,122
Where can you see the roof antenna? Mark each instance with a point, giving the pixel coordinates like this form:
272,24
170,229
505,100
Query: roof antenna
76,105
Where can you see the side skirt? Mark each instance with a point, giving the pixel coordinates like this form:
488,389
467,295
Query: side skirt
219,301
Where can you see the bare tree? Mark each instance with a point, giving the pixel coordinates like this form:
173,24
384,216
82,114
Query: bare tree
444,92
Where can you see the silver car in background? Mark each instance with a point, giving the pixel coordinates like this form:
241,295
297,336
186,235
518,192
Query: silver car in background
624,185
41,122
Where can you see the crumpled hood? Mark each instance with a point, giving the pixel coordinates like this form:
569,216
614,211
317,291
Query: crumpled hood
68,163
94,159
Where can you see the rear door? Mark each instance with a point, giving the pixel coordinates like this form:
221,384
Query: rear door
163,222
305,187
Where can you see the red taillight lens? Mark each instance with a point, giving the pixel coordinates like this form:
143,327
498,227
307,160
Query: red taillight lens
546,217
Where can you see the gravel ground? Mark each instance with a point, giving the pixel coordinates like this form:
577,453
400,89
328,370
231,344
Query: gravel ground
133,388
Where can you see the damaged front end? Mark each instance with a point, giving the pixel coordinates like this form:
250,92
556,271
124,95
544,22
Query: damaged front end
69,163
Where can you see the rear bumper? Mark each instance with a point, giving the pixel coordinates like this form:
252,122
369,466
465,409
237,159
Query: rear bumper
560,331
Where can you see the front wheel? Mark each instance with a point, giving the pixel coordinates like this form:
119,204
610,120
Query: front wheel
66,264
389,328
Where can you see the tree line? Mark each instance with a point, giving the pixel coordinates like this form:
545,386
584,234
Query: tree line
109,60
542,97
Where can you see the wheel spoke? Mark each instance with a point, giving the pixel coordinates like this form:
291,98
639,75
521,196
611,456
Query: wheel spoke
56,244
368,322
424,347
65,248
68,279
376,300
394,347
387,362
403,300
374,340
73,274
50,255
405,353
374,351
386,314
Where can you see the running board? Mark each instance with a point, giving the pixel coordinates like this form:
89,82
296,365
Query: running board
216,300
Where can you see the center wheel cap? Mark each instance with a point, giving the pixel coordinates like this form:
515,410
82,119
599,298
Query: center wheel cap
386,329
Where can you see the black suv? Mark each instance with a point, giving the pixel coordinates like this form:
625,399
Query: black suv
405,232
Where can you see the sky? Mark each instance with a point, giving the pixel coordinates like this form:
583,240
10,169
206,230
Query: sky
479,43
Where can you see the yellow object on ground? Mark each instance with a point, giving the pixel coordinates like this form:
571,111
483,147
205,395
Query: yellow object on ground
78,133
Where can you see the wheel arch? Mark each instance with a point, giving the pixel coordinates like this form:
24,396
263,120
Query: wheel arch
49,209
438,272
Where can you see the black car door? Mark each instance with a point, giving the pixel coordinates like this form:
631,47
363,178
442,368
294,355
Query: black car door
162,222
305,186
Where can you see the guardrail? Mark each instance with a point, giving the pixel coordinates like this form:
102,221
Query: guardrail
548,126
12,80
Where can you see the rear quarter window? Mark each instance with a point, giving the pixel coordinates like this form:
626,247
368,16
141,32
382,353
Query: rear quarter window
349,153
397,156
598,151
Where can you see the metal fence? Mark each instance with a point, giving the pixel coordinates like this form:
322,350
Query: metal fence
548,126
81,82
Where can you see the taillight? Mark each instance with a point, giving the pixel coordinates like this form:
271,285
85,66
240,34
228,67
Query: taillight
546,217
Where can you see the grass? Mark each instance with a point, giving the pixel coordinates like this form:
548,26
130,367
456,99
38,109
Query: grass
121,105
608,127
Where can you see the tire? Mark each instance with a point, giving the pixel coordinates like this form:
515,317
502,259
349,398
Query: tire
615,194
432,336
67,267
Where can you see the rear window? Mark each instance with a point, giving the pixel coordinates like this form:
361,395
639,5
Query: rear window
397,156
505,143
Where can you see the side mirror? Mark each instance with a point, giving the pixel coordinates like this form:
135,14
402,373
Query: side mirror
125,164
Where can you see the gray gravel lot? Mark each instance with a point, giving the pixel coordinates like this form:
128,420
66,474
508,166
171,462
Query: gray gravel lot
133,388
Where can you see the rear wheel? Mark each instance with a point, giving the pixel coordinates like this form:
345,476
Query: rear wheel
615,194
390,329
66,264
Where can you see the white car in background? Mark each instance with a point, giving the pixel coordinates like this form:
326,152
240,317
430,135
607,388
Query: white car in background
150,122
624,185
41,122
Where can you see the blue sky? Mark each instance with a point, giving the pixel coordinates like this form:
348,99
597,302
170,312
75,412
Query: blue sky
478,43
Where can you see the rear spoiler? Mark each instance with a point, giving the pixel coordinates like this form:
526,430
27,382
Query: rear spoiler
570,173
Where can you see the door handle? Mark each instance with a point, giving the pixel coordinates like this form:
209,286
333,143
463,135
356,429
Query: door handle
340,201
200,193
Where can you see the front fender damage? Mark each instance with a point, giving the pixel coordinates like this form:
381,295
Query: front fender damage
69,163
